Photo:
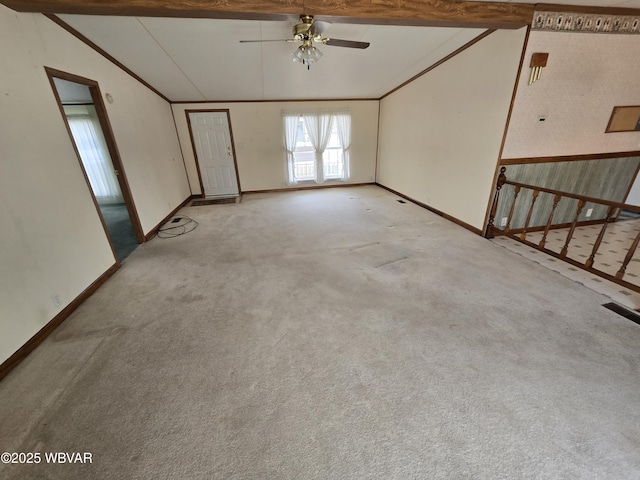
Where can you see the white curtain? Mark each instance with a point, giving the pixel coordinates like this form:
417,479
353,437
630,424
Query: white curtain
319,128
95,159
290,142
343,124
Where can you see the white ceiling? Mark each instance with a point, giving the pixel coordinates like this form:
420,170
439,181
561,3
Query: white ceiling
202,59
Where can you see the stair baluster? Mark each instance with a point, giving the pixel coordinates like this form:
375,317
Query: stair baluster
596,245
627,259
513,207
556,200
523,235
565,249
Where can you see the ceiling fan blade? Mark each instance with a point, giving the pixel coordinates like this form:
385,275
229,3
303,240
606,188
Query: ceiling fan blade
334,42
260,41
318,27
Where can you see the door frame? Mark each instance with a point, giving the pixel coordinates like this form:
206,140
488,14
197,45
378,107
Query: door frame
195,153
112,147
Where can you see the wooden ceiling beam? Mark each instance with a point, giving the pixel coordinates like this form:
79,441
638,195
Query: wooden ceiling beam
436,13
441,13
241,9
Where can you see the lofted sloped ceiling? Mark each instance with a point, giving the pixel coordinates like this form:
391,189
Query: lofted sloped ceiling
203,59
190,50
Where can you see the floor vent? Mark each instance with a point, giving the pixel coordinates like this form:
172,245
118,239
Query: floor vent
214,201
626,313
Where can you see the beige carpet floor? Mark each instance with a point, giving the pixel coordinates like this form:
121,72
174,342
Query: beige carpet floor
330,334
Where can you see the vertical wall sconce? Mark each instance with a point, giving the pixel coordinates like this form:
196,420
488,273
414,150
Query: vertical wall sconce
538,61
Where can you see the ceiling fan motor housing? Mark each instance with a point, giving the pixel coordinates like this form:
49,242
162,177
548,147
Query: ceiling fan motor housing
301,30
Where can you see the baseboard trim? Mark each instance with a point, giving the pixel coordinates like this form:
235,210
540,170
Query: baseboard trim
152,233
455,220
310,187
13,361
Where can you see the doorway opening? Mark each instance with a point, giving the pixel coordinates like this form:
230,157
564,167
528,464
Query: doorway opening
213,147
86,119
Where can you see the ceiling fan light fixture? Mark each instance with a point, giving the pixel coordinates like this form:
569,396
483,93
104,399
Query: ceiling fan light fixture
306,54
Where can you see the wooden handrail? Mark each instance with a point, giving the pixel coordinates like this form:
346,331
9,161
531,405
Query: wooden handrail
609,203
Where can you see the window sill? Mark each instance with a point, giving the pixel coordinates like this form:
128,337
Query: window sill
313,182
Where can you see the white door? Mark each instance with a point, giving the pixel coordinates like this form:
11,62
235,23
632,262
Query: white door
214,153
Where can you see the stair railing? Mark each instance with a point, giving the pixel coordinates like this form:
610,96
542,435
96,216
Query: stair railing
612,212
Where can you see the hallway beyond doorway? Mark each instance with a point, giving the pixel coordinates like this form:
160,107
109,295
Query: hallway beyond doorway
120,229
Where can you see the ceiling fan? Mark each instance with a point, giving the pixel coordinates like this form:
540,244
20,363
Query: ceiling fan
309,31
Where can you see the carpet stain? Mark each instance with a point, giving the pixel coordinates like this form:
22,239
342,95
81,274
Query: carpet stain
279,340
391,262
366,245
190,298
71,335
361,390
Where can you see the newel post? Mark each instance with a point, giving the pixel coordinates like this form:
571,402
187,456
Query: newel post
502,178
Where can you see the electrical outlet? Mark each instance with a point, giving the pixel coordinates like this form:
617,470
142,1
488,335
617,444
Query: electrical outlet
589,212
503,222
55,298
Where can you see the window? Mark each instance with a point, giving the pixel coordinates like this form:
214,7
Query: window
304,155
317,146
333,156
95,159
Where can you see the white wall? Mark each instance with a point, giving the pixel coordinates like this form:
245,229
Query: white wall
51,240
440,135
259,140
586,76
